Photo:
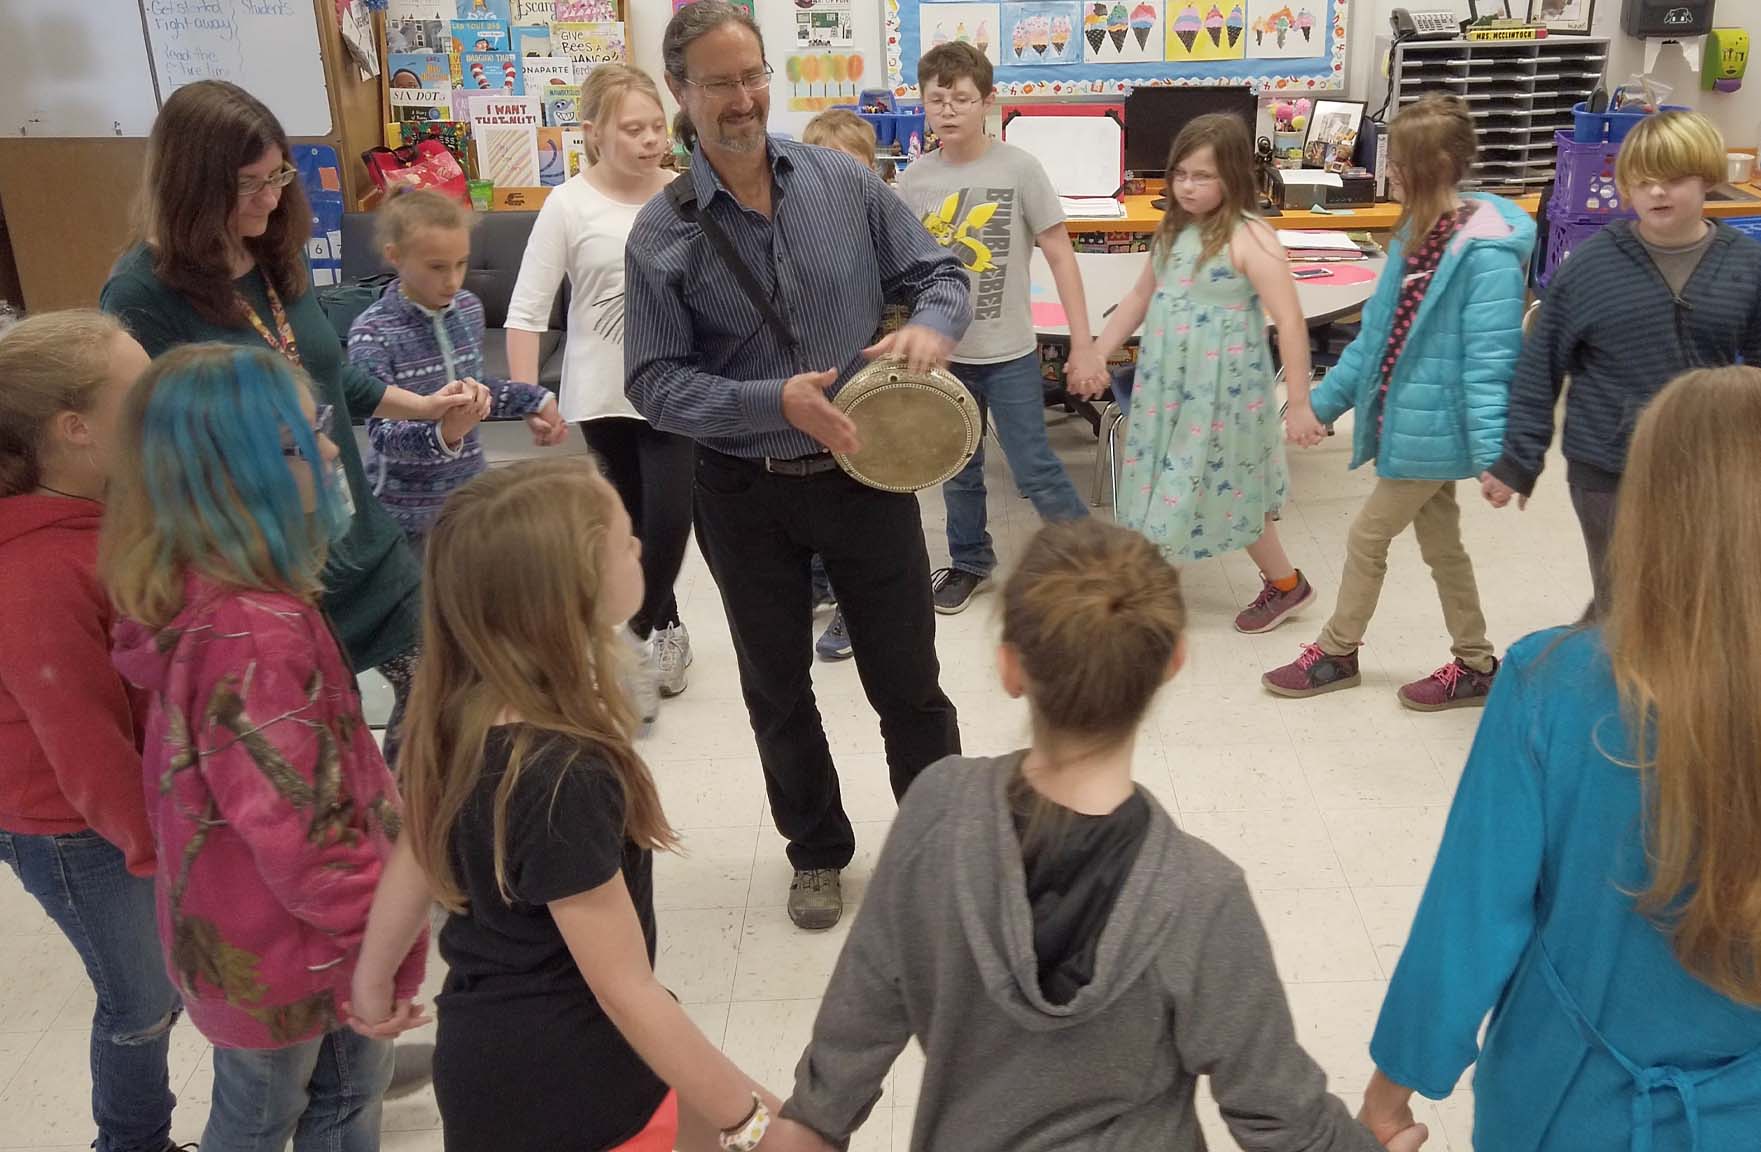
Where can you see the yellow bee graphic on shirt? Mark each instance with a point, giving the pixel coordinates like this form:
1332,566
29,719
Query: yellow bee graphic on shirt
961,235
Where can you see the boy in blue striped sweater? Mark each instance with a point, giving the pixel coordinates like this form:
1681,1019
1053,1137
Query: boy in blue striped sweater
423,333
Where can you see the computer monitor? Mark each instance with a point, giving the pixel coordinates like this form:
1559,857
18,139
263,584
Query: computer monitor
1154,116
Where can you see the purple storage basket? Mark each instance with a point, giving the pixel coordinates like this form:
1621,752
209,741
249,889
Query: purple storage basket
1564,234
1583,180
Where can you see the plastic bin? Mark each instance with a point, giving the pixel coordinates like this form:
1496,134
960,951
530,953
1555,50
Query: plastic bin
905,128
1612,127
1564,234
1584,178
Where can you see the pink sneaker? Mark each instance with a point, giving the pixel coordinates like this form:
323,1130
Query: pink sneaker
1454,685
1272,607
1313,673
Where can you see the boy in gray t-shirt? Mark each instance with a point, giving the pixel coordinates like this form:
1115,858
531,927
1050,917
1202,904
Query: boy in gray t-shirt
992,203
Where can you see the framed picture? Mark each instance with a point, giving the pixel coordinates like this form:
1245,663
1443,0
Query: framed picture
1332,134
1563,15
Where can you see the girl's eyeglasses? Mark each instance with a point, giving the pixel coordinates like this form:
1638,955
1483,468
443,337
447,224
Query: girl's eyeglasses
322,422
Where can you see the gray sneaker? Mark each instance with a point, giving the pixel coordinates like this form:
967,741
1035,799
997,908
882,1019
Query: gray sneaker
834,642
672,650
816,898
953,589
644,677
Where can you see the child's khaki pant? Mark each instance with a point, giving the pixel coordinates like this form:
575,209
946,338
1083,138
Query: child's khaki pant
1430,507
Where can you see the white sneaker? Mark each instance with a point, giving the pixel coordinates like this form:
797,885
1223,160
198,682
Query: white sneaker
644,678
672,648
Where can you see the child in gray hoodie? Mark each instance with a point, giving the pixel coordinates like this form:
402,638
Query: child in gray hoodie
1070,960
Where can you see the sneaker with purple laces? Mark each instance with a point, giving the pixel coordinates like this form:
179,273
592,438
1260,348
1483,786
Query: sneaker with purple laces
1454,685
1313,673
1272,606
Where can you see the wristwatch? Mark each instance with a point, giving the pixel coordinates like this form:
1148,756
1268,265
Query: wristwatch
745,1136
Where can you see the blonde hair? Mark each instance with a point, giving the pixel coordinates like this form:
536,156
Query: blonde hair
1670,146
603,96
1684,636
49,364
1095,613
1432,144
511,623
408,210
1226,137
842,129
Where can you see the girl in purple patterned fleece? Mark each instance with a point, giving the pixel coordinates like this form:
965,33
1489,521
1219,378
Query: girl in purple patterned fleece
422,334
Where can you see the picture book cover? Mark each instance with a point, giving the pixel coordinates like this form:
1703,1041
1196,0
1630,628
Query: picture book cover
544,72
562,105
486,71
498,111
418,105
416,36
529,40
507,154
532,12
479,36
574,150
588,43
552,165
586,10
418,70
485,10
455,134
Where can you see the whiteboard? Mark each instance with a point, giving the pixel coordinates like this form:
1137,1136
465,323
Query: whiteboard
102,67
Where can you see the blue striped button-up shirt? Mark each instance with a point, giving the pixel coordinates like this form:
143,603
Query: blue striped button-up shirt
699,359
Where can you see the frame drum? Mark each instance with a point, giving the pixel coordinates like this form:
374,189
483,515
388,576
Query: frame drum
917,429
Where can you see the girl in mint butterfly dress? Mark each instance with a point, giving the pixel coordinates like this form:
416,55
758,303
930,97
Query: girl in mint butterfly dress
1204,470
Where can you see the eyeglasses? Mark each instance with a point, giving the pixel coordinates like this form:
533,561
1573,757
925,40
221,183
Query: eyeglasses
1193,179
961,104
323,420
249,186
757,81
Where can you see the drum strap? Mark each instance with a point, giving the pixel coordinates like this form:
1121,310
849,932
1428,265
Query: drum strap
684,201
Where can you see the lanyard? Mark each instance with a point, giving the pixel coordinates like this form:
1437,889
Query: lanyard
282,339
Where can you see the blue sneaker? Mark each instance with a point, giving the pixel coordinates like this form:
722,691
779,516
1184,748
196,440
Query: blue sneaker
834,642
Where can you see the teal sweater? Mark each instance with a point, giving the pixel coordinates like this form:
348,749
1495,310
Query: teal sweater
1451,387
372,581
1529,908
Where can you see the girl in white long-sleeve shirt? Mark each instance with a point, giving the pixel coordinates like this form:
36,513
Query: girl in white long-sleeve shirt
580,233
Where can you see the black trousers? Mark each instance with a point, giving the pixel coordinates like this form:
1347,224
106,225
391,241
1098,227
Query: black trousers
1595,509
759,532
652,472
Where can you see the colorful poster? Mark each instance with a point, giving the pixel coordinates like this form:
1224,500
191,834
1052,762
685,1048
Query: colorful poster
1046,32
1285,29
823,24
1200,30
585,11
976,24
818,80
1120,33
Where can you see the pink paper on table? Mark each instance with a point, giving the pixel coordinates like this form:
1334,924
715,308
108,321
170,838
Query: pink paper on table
1049,314
1338,275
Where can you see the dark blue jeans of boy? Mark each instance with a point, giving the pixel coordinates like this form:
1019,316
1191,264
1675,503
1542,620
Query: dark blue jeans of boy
1011,396
107,915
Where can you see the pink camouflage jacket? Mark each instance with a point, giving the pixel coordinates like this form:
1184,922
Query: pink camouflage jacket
271,807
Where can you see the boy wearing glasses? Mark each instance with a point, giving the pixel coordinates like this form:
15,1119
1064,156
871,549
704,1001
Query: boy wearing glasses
989,203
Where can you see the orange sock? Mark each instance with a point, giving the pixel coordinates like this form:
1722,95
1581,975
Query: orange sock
1289,583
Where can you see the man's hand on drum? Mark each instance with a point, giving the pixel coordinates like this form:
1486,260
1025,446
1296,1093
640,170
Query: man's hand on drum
1085,373
806,407
922,348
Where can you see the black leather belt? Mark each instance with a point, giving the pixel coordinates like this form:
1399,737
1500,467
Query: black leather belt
801,465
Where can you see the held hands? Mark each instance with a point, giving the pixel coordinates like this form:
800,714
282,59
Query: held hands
1387,1113
376,1015
1498,493
920,347
806,407
1085,373
547,425
462,416
1301,428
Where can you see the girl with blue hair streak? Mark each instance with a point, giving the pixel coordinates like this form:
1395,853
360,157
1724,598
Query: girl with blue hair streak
271,808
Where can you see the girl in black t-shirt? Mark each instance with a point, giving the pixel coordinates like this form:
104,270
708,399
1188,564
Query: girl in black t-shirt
529,815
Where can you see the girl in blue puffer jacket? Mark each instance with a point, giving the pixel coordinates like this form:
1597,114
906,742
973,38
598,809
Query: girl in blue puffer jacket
1429,375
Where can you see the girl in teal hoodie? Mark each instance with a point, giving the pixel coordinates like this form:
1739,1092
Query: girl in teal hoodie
1429,375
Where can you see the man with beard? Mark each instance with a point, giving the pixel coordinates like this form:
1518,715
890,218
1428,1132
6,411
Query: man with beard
752,289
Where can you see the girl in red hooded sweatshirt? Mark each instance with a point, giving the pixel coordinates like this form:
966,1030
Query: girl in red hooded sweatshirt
73,820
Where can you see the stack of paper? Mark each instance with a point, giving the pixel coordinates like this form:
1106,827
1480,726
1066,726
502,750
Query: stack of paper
1092,208
1319,246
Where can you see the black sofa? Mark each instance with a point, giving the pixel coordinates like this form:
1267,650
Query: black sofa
497,244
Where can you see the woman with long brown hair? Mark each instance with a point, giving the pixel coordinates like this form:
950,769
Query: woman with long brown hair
222,224
1598,889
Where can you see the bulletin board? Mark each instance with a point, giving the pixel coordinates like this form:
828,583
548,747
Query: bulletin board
1105,47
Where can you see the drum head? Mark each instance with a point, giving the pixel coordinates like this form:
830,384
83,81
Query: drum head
917,429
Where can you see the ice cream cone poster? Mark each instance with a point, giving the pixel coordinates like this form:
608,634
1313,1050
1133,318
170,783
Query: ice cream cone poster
1122,31
980,25
1199,30
1285,29
1046,32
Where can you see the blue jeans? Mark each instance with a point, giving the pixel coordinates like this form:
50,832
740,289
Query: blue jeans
108,917
1010,394
325,1095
